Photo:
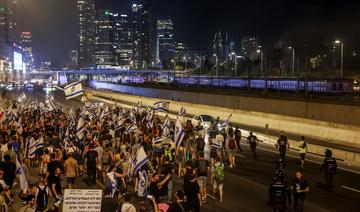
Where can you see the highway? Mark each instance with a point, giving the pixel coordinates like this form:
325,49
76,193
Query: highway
246,185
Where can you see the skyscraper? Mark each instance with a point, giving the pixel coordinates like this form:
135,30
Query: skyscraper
105,45
8,23
26,44
166,44
143,35
123,40
250,47
86,9
73,59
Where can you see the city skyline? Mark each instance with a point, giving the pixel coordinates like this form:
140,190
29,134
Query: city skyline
57,22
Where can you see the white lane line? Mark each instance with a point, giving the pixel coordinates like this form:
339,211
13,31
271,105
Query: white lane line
351,189
310,160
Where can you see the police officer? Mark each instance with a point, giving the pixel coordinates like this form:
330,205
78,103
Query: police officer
282,145
279,193
252,139
329,166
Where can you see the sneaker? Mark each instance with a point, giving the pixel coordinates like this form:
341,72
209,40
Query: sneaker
57,204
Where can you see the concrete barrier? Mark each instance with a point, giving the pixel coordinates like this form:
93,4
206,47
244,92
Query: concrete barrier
288,124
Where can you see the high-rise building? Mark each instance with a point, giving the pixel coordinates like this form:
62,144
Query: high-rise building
222,46
8,23
123,40
105,46
86,10
250,47
73,59
26,44
143,35
165,37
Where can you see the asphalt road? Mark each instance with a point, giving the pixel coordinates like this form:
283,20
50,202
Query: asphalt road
246,185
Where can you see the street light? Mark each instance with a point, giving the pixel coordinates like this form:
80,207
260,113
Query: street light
341,56
259,51
216,67
235,63
184,58
293,61
174,64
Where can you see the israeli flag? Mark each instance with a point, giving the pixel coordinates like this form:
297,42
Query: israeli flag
21,98
142,184
227,121
182,111
20,172
158,140
112,183
50,104
130,128
179,133
166,127
139,160
73,90
132,116
105,112
149,115
80,129
32,146
150,124
50,97
162,106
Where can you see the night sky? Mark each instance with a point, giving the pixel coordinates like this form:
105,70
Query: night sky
53,22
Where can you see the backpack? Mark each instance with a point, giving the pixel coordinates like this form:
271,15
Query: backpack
42,197
200,144
232,144
91,157
106,158
304,145
219,173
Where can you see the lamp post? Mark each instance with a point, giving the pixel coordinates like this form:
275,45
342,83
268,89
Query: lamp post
216,68
235,63
259,51
174,66
341,57
293,61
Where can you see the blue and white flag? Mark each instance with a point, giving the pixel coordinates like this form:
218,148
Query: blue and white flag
132,116
80,129
130,128
73,90
162,106
32,146
139,160
105,112
50,104
166,127
179,133
182,111
150,124
20,172
112,183
50,97
227,121
158,140
21,98
142,184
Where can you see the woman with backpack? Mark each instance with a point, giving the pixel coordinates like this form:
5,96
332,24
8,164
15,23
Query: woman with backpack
218,177
232,148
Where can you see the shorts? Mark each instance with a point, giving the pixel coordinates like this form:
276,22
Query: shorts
218,185
202,181
70,180
232,151
302,156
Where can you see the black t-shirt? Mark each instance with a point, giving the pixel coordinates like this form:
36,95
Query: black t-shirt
175,207
300,184
109,204
191,190
91,157
53,179
53,165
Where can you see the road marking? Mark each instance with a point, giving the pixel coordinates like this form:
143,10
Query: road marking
310,160
351,189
